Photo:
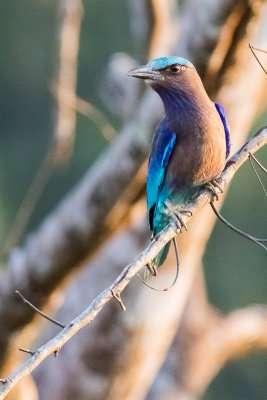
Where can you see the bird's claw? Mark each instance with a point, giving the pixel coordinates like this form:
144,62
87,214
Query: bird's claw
212,186
151,268
177,215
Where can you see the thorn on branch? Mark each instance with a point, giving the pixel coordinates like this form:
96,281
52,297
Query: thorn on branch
54,321
117,296
56,353
27,351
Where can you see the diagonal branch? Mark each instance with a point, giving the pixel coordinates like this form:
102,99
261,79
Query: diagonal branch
115,289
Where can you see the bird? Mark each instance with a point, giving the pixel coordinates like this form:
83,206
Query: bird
190,144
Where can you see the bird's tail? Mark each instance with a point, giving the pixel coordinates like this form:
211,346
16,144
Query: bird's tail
161,256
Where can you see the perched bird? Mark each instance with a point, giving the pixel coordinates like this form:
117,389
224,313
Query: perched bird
190,144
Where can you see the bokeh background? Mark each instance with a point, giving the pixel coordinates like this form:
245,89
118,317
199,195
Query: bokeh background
235,270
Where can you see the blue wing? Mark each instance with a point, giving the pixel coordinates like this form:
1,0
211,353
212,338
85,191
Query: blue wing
222,114
162,146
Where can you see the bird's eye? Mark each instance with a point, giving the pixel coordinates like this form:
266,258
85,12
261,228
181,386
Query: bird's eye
174,69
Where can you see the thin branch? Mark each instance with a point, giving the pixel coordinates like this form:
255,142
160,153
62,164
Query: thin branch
259,164
263,51
71,12
254,54
253,239
256,173
39,311
116,288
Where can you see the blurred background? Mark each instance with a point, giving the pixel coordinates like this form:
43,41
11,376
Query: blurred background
33,164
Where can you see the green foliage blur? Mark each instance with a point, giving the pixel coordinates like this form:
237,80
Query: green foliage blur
236,270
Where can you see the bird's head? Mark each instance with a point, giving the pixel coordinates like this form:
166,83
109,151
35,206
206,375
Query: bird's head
165,72
176,80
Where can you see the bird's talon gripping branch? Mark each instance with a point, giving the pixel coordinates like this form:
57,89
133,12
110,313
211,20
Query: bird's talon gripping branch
152,269
177,216
212,190
212,186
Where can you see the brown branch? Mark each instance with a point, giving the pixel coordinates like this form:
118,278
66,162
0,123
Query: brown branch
164,30
259,140
71,12
236,335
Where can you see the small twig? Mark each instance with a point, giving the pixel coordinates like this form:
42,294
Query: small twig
27,351
39,311
257,161
233,228
167,234
257,175
263,51
117,296
254,54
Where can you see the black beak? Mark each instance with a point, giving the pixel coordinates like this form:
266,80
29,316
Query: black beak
145,72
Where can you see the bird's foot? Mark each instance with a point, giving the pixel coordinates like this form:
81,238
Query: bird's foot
151,269
213,186
177,215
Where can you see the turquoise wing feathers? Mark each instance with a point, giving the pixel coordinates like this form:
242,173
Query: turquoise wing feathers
163,144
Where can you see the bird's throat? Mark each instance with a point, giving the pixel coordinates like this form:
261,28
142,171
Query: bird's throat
180,107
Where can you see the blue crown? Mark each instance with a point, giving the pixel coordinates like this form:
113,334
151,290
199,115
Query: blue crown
163,62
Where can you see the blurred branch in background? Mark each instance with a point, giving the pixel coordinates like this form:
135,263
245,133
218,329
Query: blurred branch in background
164,28
117,287
28,205
206,341
70,15
88,110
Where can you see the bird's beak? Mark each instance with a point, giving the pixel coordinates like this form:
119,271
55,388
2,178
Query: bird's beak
145,72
